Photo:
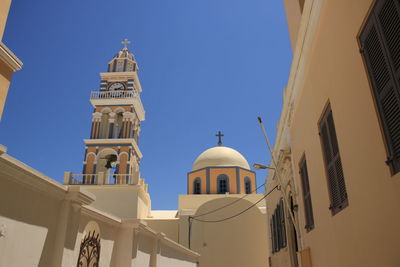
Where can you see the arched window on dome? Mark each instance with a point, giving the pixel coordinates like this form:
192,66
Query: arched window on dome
222,184
247,185
197,186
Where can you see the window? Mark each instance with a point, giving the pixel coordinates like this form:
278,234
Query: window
222,184
333,164
197,186
120,66
380,42
278,229
247,185
308,212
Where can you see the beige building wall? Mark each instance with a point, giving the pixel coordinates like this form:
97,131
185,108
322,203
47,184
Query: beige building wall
329,68
293,10
4,8
8,61
5,79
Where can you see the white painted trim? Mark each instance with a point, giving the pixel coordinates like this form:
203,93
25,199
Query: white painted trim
129,141
9,58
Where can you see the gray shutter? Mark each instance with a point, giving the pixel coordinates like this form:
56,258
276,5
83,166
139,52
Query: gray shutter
333,164
380,40
306,195
283,228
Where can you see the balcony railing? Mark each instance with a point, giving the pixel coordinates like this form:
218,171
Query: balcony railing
113,94
97,179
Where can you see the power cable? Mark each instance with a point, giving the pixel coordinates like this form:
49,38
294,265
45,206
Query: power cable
233,216
229,204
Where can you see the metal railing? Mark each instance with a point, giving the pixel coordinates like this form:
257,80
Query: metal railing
98,179
113,94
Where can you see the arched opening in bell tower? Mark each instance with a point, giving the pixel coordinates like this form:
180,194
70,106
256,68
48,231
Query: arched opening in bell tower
107,163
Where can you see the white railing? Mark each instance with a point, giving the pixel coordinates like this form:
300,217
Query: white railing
98,179
119,179
113,94
83,179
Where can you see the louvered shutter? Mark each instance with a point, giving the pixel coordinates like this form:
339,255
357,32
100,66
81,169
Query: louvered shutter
380,41
306,195
333,164
275,233
282,221
272,234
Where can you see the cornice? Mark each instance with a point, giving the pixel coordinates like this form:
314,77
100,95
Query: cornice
18,172
9,58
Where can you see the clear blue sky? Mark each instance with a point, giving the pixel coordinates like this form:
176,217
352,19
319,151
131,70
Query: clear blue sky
204,66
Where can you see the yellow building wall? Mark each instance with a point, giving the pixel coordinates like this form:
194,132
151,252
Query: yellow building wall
230,172
5,78
293,16
199,174
4,8
244,173
366,232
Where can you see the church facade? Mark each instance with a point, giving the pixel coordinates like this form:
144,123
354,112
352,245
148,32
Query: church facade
103,216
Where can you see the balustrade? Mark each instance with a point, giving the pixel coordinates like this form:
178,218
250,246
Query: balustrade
98,179
113,94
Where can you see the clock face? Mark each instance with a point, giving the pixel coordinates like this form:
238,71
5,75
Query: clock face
116,86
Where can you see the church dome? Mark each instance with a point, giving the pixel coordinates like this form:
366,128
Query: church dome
220,156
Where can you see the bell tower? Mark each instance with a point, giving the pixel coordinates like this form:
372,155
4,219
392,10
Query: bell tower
112,154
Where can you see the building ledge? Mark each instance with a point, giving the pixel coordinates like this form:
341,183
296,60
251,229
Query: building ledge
9,58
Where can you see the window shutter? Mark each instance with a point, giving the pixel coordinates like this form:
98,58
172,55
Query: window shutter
272,235
306,195
276,240
380,40
283,228
333,164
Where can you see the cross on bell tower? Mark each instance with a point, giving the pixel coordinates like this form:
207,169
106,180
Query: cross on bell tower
219,138
125,42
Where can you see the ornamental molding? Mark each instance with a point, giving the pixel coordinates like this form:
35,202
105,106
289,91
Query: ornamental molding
9,58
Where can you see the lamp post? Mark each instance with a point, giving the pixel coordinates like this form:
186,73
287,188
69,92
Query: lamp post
276,173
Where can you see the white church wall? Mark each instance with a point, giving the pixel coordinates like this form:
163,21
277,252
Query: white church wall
237,242
114,198
28,226
42,223
171,257
145,246
168,226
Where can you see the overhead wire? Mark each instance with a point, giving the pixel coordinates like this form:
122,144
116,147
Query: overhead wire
237,214
229,204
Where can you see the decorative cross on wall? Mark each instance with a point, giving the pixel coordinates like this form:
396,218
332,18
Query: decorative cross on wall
219,138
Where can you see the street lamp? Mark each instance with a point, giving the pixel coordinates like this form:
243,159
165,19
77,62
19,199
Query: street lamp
259,166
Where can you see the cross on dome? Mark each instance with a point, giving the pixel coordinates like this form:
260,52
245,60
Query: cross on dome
125,42
219,138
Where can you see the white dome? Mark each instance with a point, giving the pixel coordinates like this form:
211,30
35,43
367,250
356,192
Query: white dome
220,156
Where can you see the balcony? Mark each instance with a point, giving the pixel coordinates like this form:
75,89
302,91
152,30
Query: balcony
123,97
113,94
98,179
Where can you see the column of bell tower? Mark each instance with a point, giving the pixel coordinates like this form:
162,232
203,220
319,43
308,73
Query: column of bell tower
112,154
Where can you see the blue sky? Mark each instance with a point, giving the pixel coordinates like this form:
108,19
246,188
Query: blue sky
205,66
